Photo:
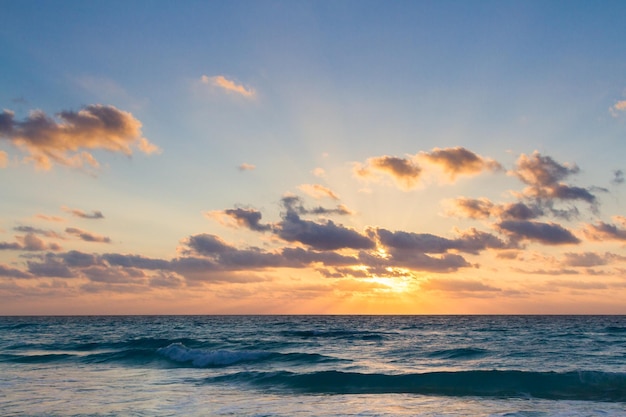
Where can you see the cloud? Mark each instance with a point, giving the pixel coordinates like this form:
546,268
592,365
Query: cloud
586,259
113,275
542,171
63,141
318,191
293,204
618,177
50,218
50,267
228,85
4,159
407,172
456,161
320,236
83,215
136,261
404,171
471,241
319,172
482,208
34,230
87,236
249,218
544,177
546,233
10,246
606,231
618,108
8,272
456,285
30,242
246,167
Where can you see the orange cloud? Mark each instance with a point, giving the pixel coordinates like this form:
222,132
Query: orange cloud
617,108
246,167
228,85
456,161
404,171
318,191
64,140
3,159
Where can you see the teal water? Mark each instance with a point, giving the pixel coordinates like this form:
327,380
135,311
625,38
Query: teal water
313,365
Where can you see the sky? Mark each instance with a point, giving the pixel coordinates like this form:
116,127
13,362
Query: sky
312,157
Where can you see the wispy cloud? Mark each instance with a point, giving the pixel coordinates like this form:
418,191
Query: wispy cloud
246,167
87,236
66,139
318,191
618,108
94,215
228,85
607,231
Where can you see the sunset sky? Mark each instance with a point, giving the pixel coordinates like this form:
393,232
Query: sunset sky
365,157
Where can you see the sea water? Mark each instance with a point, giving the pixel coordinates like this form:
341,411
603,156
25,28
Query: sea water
313,366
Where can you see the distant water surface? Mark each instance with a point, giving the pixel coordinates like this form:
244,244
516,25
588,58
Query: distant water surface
313,366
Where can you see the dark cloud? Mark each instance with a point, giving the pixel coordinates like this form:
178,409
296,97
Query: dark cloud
459,160
87,236
9,272
249,218
94,215
586,259
50,267
618,177
34,230
519,211
205,244
10,246
79,259
472,241
482,208
65,141
136,261
113,275
604,231
29,242
414,260
320,236
299,256
546,233
165,280
544,177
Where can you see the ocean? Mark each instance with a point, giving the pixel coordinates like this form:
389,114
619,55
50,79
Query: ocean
313,366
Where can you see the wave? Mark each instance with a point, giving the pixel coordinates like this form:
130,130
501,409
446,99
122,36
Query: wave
335,334
142,353
581,385
615,329
177,352
459,353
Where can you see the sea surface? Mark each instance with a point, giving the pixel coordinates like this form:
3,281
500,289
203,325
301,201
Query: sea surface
313,366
